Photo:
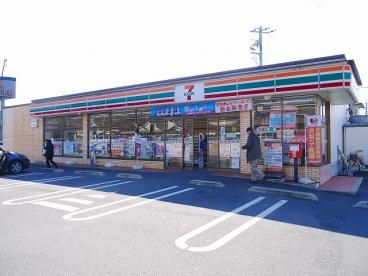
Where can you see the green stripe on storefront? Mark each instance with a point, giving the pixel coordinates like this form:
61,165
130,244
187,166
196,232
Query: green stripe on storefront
258,84
64,106
38,109
300,80
137,98
330,77
347,76
162,95
78,105
222,88
116,100
96,103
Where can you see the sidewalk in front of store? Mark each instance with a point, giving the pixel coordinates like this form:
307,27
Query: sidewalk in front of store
348,185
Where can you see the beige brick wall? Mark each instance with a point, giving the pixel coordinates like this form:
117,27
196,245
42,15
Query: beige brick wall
19,136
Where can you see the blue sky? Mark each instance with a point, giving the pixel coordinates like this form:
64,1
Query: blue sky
62,47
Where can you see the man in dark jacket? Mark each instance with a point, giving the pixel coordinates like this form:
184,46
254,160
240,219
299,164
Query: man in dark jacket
49,153
253,148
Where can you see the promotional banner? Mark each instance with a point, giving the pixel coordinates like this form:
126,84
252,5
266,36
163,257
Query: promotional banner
314,144
183,110
233,106
289,119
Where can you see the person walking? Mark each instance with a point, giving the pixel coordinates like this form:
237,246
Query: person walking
253,147
49,153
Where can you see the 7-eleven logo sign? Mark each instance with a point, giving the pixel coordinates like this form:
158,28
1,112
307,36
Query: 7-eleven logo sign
189,93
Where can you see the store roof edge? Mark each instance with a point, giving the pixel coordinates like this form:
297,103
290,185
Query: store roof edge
222,74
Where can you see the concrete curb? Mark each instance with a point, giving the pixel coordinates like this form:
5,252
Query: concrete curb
129,175
52,170
199,182
361,204
302,195
85,172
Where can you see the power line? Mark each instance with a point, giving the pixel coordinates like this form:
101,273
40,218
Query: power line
259,43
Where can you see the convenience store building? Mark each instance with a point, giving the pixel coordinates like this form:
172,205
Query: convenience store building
199,121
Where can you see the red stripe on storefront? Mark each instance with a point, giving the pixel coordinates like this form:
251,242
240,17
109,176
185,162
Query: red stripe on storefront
222,95
347,83
96,107
162,101
301,87
333,84
140,103
115,105
252,92
78,109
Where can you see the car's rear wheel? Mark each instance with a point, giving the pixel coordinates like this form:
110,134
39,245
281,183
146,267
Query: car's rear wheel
15,167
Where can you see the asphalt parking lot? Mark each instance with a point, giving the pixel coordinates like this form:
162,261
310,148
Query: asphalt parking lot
72,223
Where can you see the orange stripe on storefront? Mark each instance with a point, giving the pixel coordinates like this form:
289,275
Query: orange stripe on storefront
219,82
296,73
331,69
162,89
254,78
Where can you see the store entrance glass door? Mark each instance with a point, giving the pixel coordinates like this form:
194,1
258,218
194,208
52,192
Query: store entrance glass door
200,133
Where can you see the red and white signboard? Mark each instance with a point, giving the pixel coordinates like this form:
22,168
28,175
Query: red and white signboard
313,121
233,106
314,144
188,93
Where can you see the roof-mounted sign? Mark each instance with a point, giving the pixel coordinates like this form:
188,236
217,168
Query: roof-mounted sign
7,87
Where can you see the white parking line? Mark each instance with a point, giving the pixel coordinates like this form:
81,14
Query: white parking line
71,215
27,183
30,199
25,174
77,200
58,206
182,241
97,196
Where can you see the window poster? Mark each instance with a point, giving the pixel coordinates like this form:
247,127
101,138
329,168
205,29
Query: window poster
235,150
225,149
288,117
235,162
159,150
273,156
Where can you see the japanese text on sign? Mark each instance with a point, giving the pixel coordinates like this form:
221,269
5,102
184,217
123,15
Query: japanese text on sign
314,144
233,106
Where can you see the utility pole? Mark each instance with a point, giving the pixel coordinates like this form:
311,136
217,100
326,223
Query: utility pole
4,64
259,43
2,105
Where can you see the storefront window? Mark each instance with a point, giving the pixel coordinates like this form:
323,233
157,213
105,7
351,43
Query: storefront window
174,142
99,134
281,122
54,131
151,131
229,142
122,133
66,133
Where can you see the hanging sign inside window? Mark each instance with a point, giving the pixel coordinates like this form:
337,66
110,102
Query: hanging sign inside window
289,119
314,144
233,106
